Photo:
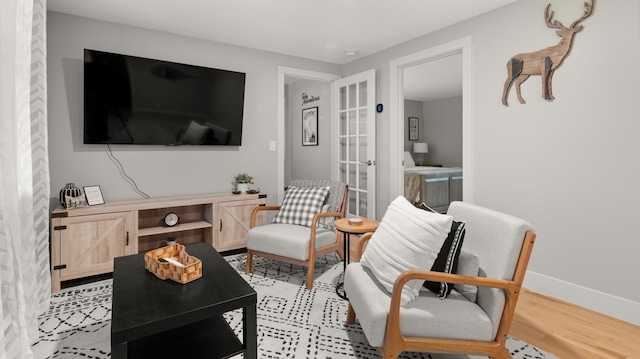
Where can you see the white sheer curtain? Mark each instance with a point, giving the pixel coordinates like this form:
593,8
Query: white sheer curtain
24,175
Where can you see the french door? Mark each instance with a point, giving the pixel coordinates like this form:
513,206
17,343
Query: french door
353,155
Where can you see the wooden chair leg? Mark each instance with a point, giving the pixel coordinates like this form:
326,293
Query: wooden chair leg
351,315
310,267
389,353
249,267
501,353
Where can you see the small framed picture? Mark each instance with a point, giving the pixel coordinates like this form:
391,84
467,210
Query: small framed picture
310,126
94,195
413,129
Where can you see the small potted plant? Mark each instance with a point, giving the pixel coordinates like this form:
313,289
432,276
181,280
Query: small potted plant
242,182
171,240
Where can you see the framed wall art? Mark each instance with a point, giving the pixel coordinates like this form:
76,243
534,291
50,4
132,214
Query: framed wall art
310,126
414,129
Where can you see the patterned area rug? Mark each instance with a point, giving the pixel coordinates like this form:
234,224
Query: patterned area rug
292,321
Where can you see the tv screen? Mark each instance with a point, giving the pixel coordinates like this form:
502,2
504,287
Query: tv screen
134,100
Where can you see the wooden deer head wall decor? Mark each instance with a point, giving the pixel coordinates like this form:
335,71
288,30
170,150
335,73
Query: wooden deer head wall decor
543,62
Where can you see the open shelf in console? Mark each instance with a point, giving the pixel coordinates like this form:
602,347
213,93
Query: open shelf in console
151,231
186,237
195,225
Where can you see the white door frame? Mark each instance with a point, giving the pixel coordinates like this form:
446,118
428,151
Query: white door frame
396,110
284,71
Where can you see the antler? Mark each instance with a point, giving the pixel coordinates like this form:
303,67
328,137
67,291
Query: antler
548,18
588,10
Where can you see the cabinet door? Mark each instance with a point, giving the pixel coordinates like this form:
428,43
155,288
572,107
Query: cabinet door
89,243
234,219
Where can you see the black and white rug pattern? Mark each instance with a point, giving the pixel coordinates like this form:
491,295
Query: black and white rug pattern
292,321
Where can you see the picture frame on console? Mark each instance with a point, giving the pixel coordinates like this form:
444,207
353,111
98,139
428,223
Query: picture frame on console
94,195
310,126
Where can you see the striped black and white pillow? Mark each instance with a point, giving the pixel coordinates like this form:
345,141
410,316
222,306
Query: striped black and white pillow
447,260
300,205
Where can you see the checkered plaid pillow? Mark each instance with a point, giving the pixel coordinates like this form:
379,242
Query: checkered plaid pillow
300,205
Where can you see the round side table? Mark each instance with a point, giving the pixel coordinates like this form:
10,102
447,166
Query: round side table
347,229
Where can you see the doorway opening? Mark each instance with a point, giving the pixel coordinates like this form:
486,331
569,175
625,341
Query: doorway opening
285,138
397,128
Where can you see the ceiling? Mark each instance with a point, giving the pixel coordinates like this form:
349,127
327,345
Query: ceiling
319,30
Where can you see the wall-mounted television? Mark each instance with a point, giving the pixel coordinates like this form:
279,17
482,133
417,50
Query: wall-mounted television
135,100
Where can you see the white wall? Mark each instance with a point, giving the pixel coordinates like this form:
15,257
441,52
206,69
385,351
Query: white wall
570,166
159,171
442,130
309,162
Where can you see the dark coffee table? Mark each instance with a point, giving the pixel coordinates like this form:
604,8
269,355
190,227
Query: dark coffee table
154,318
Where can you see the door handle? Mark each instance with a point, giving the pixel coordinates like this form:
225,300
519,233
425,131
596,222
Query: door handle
369,163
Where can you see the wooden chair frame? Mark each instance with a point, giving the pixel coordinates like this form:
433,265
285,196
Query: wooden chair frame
313,251
395,343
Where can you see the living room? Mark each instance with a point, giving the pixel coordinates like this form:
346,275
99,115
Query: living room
538,160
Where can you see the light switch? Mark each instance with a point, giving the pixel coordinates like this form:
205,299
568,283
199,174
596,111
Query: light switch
272,145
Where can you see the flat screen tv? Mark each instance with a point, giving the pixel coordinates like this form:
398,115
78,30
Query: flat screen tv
134,100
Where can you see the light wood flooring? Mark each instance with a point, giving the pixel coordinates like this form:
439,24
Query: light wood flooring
571,332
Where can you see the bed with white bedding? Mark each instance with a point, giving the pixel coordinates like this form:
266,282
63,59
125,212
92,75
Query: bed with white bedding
435,186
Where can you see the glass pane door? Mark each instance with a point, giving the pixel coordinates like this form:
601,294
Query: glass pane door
356,141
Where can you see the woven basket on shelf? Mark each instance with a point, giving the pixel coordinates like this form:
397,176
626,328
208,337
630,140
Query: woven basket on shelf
192,269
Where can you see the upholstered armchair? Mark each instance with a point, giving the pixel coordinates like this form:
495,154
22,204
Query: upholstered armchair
473,318
303,227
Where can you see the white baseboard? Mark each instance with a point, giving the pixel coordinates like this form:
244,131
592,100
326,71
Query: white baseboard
607,304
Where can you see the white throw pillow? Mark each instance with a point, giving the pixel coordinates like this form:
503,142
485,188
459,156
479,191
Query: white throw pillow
407,238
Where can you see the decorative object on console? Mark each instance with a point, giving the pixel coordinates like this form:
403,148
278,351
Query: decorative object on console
94,195
173,262
75,202
70,190
421,148
171,219
543,62
242,182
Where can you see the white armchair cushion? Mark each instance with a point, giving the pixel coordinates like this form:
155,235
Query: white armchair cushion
426,316
287,240
300,205
407,238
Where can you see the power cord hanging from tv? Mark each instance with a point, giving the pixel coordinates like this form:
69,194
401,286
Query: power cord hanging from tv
124,175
